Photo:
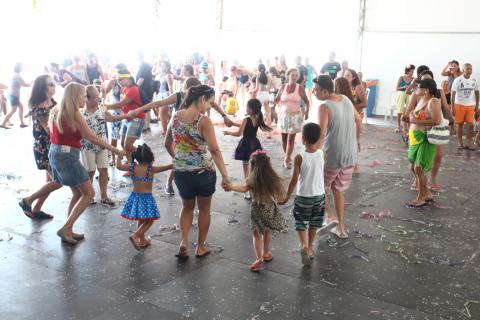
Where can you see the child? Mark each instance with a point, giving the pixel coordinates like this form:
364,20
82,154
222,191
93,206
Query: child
249,142
267,188
309,204
141,205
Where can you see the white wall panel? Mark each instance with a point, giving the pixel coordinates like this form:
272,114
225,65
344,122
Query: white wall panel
423,15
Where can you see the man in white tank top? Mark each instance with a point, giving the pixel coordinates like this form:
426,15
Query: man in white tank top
340,127
309,204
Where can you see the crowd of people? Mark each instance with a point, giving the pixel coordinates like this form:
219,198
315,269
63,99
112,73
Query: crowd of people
72,140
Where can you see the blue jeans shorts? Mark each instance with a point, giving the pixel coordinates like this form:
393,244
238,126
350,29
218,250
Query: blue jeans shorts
191,184
14,101
133,129
67,169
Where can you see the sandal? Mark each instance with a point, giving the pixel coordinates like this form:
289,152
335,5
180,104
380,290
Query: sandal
338,234
78,236
107,202
65,238
460,147
203,255
41,215
470,148
306,261
26,209
4,127
437,188
430,200
268,257
411,205
134,243
182,253
256,266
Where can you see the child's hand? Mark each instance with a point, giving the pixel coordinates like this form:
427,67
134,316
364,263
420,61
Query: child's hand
227,185
283,201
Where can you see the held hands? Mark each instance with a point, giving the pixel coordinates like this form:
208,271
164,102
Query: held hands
227,122
119,153
226,184
282,202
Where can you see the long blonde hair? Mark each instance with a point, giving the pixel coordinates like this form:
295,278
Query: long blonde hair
266,185
64,112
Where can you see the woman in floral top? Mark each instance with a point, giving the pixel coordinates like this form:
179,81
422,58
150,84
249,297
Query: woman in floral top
41,102
191,142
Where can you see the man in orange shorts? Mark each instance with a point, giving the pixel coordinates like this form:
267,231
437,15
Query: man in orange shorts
465,99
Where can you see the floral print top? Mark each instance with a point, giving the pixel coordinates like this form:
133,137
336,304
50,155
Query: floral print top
191,151
96,122
41,137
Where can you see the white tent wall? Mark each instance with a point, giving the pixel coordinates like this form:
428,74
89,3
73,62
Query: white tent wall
430,32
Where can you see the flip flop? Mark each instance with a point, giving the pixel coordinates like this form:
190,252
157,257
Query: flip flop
256,266
431,200
337,234
135,245
65,238
327,227
26,208
470,148
306,261
108,202
414,187
436,188
203,255
410,205
460,147
182,253
78,236
41,215
268,257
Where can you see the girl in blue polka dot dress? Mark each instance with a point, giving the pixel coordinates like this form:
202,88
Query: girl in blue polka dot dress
141,205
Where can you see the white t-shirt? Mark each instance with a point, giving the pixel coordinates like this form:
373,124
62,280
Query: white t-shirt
465,90
310,181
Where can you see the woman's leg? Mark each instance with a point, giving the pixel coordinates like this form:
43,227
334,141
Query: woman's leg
422,185
437,161
203,223
245,169
164,118
8,116
43,192
20,114
83,193
268,113
41,200
186,218
284,141
129,148
290,145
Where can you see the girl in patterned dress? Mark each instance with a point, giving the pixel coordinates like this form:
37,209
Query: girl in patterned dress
141,205
266,188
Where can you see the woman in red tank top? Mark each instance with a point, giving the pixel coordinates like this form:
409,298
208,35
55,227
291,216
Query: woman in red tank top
67,128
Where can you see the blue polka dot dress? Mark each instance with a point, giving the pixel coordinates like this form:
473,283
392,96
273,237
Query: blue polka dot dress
141,205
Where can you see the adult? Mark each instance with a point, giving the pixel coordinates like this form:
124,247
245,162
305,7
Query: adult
281,66
342,86
302,71
131,129
452,71
95,157
358,91
420,152
340,131
331,67
40,103
61,76
291,114
14,96
67,128
166,89
262,89
465,98
191,142
94,70
343,68
3,100
79,71
144,81
311,74
276,85
402,97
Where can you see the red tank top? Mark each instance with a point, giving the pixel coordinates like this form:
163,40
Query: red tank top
67,138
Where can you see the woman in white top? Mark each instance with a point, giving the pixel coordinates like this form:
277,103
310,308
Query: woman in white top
262,89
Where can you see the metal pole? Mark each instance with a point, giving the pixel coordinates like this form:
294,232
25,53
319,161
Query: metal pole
361,29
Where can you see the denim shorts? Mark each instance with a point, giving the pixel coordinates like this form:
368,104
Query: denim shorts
67,169
14,101
191,184
133,129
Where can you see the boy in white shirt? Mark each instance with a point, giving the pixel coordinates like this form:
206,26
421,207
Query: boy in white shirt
309,204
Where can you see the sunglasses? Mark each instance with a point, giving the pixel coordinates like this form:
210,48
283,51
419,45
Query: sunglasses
51,84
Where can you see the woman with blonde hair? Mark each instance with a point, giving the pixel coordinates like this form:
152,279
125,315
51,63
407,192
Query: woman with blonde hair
67,128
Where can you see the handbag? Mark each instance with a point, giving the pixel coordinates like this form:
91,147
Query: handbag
439,134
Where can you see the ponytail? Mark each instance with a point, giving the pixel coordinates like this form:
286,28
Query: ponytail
262,76
194,93
256,106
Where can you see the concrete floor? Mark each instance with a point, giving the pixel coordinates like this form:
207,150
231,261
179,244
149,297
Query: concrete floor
410,264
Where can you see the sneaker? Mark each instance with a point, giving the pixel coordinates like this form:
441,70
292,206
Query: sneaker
169,190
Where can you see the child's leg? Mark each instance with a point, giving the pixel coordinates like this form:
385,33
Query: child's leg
245,169
302,236
312,232
258,244
142,229
267,236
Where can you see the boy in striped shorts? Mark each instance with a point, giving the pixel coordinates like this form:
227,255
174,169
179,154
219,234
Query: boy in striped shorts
309,204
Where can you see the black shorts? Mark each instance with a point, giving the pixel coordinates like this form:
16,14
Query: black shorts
191,184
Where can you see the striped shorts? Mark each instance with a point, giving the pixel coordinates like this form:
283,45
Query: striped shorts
308,212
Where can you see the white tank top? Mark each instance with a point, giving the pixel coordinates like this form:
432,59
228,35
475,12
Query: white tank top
310,181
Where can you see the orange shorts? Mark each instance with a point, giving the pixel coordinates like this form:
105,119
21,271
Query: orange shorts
464,113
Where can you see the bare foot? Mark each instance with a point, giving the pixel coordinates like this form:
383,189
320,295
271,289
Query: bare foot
202,251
